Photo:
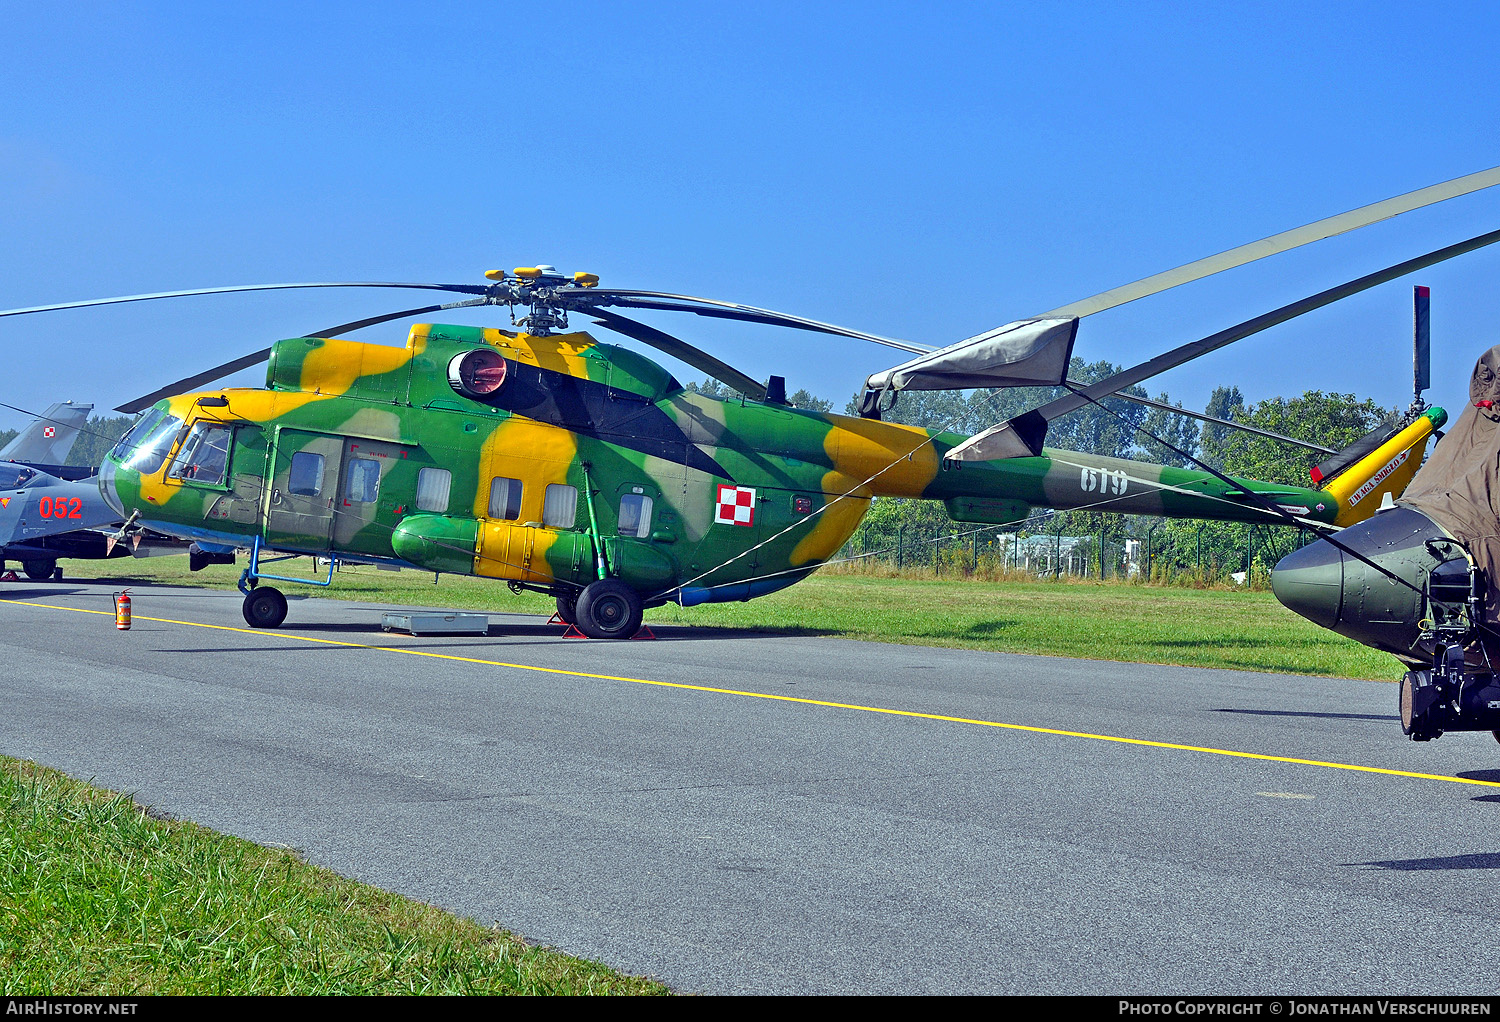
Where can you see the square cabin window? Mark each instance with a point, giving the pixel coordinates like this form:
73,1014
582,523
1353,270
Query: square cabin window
306,477
505,498
364,481
560,507
433,485
635,515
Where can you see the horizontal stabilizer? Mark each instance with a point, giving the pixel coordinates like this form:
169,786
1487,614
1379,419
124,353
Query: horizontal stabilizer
1326,470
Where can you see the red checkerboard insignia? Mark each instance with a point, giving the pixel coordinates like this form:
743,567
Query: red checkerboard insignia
736,506
50,431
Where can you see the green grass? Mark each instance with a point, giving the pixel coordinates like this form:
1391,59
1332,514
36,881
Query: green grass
99,897
1245,630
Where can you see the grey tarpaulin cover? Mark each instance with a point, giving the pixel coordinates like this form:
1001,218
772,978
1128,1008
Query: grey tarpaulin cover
1459,485
1027,353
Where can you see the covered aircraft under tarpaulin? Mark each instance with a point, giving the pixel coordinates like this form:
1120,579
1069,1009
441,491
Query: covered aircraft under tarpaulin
1418,580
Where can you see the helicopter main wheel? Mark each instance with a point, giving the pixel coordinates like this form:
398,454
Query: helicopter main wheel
609,609
265,607
38,571
567,609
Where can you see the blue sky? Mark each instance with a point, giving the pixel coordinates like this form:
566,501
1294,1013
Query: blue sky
924,171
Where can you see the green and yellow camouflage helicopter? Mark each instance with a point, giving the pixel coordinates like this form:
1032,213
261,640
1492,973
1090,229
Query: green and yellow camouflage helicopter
585,471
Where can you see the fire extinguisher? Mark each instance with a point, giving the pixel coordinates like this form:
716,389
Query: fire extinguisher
122,610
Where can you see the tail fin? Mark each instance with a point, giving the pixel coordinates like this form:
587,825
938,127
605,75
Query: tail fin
48,440
1365,476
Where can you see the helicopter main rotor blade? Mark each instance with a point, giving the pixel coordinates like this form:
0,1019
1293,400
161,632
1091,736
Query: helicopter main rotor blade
192,383
1023,435
1329,227
732,310
360,324
683,352
1075,385
468,289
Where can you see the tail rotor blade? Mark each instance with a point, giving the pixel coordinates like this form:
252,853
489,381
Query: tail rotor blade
1421,346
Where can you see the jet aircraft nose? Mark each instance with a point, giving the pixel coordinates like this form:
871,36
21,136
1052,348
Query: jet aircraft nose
107,487
1310,581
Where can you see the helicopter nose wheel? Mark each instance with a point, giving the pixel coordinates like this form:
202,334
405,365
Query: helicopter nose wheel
567,609
609,609
265,607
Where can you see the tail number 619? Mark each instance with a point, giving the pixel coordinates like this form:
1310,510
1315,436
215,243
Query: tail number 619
62,507
1104,480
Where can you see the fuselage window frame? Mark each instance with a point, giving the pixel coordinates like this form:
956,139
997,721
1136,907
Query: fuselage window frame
560,506
203,458
505,499
306,470
635,515
434,486
362,481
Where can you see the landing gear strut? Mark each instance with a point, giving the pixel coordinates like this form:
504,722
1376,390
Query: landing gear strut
609,609
265,607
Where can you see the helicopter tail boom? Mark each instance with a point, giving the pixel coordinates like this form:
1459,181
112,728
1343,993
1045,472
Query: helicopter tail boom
1360,488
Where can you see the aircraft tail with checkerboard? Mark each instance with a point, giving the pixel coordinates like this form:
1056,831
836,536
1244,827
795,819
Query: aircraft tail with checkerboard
48,440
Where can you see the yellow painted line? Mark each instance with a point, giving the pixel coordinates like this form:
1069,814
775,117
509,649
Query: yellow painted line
977,722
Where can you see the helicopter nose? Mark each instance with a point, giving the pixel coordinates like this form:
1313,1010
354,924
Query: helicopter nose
1310,581
107,487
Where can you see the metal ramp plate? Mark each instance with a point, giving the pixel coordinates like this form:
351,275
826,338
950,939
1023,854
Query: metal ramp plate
434,623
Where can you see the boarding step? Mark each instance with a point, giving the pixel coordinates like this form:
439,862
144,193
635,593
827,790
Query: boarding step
434,623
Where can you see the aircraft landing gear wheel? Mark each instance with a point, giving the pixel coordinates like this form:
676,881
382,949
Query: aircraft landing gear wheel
567,609
609,609
38,571
265,607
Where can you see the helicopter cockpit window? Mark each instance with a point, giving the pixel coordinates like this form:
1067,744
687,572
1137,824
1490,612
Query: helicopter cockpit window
433,485
305,477
505,498
145,447
13,477
204,455
364,481
635,515
560,506
142,428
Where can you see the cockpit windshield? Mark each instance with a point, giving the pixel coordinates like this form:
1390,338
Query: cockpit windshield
13,476
145,447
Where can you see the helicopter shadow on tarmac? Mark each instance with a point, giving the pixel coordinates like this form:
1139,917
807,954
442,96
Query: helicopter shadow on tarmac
1474,860
1382,717
510,635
